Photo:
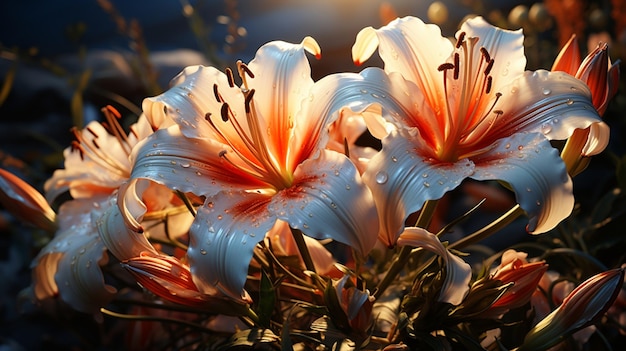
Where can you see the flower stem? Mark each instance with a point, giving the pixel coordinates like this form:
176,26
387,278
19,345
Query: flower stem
490,229
399,261
304,250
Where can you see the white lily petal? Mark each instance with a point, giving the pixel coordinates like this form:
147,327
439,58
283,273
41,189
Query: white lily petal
505,47
401,181
189,100
537,174
597,140
222,240
551,103
76,254
401,46
458,272
328,200
188,165
282,79
119,226
364,46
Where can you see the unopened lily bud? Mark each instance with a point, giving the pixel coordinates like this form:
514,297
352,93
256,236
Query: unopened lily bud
25,202
581,308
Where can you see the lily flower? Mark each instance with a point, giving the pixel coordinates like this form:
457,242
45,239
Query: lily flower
458,272
256,151
602,77
582,307
466,109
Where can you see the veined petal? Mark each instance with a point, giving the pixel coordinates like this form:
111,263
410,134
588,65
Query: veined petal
401,181
282,79
458,272
328,200
190,99
75,256
505,47
537,175
120,231
416,55
551,103
188,165
222,239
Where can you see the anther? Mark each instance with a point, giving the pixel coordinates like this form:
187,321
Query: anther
489,67
457,60
445,66
489,82
222,153
216,93
498,112
224,112
92,132
485,54
231,79
246,70
207,116
459,41
95,143
248,100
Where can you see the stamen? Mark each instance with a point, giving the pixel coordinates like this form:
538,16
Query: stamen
489,67
247,70
218,97
485,54
224,112
92,132
207,116
248,100
445,66
231,79
489,82
459,41
456,65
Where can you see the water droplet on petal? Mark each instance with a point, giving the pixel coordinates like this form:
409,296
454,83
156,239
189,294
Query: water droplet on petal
203,252
507,146
219,217
185,165
546,91
520,147
569,101
348,187
173,162
394,159
381,177
427,184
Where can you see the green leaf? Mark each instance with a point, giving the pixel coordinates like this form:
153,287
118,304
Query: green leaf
267,300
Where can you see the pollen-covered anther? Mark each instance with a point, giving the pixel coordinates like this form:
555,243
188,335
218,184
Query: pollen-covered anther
231,78
460,40
225,110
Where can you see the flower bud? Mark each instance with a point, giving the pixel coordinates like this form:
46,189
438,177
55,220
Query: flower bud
25,203
582,307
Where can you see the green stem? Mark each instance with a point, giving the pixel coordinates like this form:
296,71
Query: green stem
304,250
490,229
424,219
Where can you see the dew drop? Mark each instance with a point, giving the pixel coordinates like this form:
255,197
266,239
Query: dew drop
333,205
529,189
203,252
569,101
546,91
363,91
348,187
173,162
220,216
520,147
538,203
427,184
545,129
381,177
424,175
394,159
507,146
198,173
185,165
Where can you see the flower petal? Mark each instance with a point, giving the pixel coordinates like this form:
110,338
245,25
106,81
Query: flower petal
282,79
328,200
25,202
551,103
401,181
191,98
188,165
537,175
458,272
505,47
568,60
222,240
75,255
119,227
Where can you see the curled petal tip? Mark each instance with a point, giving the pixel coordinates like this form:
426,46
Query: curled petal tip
364,46
311,46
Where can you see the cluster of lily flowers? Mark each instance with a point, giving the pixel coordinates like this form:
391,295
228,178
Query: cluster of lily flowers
243,198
